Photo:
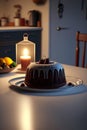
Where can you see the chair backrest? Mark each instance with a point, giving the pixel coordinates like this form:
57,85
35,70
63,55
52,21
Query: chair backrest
81,41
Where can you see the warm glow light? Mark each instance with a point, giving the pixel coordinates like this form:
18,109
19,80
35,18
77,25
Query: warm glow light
25,57
25,52
25,117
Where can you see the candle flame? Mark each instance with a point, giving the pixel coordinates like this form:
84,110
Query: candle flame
25,52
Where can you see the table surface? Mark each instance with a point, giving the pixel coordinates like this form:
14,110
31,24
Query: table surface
42,111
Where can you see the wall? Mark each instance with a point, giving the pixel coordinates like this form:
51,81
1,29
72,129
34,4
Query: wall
9,11
1,8
62,43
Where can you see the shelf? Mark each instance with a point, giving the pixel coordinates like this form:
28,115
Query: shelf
7,28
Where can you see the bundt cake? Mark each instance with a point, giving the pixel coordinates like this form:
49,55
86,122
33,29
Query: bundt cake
45,74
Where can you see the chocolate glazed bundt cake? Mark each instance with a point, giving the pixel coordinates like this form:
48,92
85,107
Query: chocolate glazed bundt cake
45,75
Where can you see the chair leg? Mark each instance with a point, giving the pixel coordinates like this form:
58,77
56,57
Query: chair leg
84,54
77,54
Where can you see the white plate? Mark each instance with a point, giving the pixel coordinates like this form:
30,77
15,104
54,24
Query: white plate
16,82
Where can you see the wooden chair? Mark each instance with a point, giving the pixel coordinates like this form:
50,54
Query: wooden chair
81,40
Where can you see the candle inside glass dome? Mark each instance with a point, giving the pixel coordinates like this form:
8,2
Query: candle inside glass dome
29,48
25,59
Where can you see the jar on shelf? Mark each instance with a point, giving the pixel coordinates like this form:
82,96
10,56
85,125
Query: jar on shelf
4,21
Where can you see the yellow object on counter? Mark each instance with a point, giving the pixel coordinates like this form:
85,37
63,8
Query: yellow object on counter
8,60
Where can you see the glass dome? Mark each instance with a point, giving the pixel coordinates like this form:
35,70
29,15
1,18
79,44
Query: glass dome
25,48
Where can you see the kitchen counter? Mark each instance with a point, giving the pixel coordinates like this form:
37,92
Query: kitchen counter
43,111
